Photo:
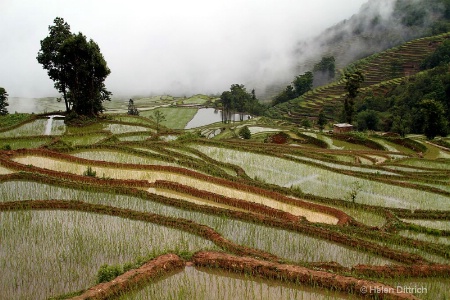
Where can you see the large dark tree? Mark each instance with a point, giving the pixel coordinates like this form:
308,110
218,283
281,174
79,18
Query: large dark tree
303,83
3,102
434,117
49,56
77,67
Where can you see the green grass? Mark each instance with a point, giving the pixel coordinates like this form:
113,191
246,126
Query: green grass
80,140
20,143
176,118
13,119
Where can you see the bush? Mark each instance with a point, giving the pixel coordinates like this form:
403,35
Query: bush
90,172
108,273
245,133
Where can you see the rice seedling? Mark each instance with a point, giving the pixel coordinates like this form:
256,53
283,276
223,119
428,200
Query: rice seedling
119,157
325,183
444,240
36,127
345,167
297,247
425,163
133,138
152,176
256,129
87,139
423,288
69,248
122,128
205,284
366,217
20,143
441,225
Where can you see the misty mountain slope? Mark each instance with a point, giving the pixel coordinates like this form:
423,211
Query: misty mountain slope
382,71
379,25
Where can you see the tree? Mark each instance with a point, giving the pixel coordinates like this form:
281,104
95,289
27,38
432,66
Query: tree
287,94
159,117
368,120
322,121
238,100
402,121
438,57
49,56
324,70
77,67
132,110
303,83
352,85
245,133
434,118
3,102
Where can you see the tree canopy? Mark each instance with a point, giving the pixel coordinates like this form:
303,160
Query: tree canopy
77,67
353,82
238,100
3,102
301,84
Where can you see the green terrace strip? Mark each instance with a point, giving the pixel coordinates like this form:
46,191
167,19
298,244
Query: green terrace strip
84,139
11,121
24,142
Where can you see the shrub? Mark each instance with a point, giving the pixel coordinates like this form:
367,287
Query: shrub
90,172
245,133
107,273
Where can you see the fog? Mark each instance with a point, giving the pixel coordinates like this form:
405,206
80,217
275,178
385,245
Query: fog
168,47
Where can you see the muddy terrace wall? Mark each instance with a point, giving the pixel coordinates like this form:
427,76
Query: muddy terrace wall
342,217
167,263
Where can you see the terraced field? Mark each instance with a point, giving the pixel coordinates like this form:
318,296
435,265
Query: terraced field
117,209
381,71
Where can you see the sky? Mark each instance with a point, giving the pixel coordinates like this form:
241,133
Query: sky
175,47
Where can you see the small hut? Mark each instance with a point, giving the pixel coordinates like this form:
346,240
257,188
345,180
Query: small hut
342,128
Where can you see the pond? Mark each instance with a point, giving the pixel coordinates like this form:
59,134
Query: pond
206,116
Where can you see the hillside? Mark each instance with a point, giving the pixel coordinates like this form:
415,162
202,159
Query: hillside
382,71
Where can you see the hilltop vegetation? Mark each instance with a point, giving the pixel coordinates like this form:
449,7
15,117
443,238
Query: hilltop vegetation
391,94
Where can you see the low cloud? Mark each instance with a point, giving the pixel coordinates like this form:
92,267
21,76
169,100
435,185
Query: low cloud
174,46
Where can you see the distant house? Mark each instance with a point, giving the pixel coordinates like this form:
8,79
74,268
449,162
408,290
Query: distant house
342,128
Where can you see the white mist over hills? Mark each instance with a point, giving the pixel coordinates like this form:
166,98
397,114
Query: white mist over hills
187,47
173,46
